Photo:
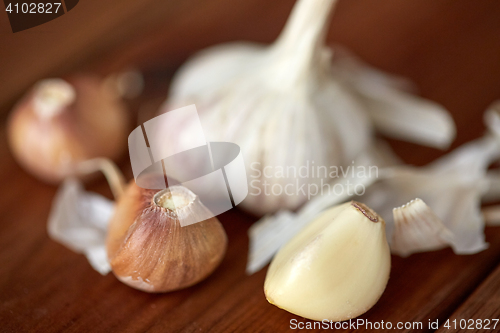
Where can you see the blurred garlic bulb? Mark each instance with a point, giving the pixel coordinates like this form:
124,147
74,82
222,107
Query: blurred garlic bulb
451,186
289,107
60,123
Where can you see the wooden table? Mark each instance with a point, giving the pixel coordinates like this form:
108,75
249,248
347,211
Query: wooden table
450,48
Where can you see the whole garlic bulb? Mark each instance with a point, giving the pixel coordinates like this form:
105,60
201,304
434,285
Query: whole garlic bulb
61,123
336,268
149,250
290,108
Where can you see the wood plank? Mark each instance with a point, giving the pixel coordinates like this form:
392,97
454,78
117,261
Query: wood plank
95,29
450,48
45,287
484,303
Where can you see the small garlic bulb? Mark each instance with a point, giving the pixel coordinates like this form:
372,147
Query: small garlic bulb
290,108
60,123
150,251
336,268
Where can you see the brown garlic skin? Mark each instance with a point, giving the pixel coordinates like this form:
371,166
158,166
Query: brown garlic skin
150,251
62,122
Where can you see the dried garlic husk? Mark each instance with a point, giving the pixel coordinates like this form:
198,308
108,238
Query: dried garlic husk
79,220
336,268
452,186
288,105
418,229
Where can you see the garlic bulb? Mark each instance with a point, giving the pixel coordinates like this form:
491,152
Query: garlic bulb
140,238
452,186
336,268
289,107
149,250
61,123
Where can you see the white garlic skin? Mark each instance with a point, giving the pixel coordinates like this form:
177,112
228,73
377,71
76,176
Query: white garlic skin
336,268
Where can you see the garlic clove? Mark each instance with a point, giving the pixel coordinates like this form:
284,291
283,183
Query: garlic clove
60,123
270,233
418,229
336,268
149,250
79,220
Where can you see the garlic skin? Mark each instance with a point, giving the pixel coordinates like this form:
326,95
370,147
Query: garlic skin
150,251
290,105
336,268
61,123
418,229
79,220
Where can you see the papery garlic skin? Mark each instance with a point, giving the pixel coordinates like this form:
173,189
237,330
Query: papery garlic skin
289,106
150,251
336,268
418,229
62,122
79,220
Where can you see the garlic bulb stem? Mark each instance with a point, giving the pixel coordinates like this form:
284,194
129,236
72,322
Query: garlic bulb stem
173,201
113,175
306,28
301,41
51,96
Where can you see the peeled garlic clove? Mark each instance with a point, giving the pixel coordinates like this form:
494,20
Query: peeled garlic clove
270,233
418,229
61,123
336,268
149,250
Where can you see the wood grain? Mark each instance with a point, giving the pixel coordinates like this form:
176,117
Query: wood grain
450,48
483,304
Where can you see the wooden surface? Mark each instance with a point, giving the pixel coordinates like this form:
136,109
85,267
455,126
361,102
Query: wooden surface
451,49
